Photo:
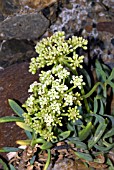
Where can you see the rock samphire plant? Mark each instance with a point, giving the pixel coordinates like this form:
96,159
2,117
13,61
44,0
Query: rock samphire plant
66,105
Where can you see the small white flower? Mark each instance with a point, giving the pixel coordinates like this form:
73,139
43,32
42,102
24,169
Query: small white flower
48,119
68,99
77,81
32,86
30,101
56,107
53,94
61,72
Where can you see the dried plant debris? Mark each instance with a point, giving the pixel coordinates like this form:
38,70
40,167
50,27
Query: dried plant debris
62,158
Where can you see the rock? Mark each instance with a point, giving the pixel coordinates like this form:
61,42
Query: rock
112,41
9,7
39,4
68,164
106,26
1,17
14,84
13,51
27,26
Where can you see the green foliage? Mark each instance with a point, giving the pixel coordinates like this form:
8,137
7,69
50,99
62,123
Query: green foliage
9,149
65,105
4,165
16,108
11,119
12,167
85,156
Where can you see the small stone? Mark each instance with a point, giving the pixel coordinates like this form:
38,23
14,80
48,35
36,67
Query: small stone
88,28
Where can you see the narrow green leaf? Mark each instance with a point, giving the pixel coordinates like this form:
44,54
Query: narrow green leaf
98,133
32,160
102,73
37,141
16,108
111,75
23,142
83,134
29,135
85,156
79,144
101,112
64,135
46,145
87,76
111,84
103,149
109,133
11,167
9,149
24,126
95,105
109,162
4,165
106,144
111,118
99,118
70,126
11,119
100,70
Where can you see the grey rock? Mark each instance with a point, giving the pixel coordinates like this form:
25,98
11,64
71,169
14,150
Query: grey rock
1,17
27,26
9,7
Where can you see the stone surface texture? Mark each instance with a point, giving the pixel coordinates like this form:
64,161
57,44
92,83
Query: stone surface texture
14,84
21,24
28,26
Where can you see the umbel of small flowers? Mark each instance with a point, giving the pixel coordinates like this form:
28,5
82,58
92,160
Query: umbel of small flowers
57,94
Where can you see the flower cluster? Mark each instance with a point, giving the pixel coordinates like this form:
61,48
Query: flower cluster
57,94
55,49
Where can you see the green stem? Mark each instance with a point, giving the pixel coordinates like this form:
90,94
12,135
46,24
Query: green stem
70,89
92,90
68,65
48,160
85,100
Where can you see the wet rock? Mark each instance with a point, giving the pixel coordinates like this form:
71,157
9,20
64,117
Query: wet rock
14,84
28,26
